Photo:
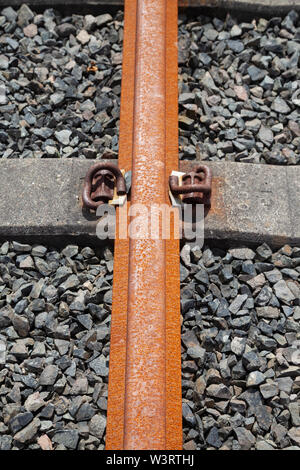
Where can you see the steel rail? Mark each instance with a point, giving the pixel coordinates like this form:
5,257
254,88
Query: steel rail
144,396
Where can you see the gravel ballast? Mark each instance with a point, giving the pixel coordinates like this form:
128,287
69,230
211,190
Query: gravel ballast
240,347
60,83
239,87
54,346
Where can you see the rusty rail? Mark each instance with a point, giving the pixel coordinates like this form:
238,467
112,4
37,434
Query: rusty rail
144,399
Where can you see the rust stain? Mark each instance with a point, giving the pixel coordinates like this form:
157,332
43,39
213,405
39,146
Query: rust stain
217,208
144,399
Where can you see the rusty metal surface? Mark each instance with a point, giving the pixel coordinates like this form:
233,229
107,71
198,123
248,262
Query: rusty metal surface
99,184
195,187
145,397
144,400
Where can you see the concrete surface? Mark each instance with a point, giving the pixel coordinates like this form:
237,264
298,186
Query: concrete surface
41,200
257,7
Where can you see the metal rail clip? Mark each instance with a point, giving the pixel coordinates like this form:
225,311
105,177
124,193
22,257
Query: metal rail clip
100,183
195,186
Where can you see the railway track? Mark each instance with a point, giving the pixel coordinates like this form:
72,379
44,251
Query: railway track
144,387
144,406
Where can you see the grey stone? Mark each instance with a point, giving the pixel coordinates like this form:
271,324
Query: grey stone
2,352
34,402
269,390
189,339
236,46
25,15
245,438
20,421
90,22
21,325
5,442
294,410
80,386
57,98
213,438
3,97
219,391
70,251
103,19
196,352
268,312
99,366
255,378
256,74
251,360
65,29
266,343
273,276
28,433
83,37
237,303
9,13
238,345
21,247
47,411
280,106
187,414
257,281
263,445
49,375
278,432
67,437
63,136
211,34
97,425
237,405
42,266
282,292
85,412
242,253
266,135
264,296
71,283
79,305
209,83
235,31
263,417
294,435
